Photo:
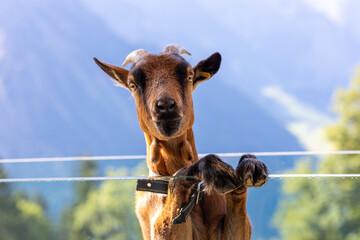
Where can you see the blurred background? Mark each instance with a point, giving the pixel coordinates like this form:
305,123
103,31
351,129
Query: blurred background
289,81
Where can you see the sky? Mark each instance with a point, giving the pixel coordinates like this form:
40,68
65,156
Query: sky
288,57
2,52
288,54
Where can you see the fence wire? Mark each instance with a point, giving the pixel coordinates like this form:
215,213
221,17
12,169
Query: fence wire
82,179
140,157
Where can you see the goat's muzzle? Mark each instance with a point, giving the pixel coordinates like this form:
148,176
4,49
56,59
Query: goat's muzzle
166,116
165,104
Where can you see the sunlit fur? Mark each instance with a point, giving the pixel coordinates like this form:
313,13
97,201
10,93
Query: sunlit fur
161,80
221,214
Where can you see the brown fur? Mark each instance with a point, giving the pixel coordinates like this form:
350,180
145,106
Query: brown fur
221,214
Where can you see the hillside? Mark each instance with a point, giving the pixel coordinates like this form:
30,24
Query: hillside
288,57
55,101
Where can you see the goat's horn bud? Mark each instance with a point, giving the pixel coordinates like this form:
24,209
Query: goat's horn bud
175,48
135,56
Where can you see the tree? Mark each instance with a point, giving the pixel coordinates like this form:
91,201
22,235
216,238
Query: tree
82,189
102,211
87,169
108,213
21,218
323,208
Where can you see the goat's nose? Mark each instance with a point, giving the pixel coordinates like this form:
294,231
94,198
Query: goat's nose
165,104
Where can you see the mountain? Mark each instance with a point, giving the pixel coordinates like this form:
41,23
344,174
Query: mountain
308,48
302,49
55,101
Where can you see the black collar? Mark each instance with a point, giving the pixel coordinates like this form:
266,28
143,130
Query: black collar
152,185
161,186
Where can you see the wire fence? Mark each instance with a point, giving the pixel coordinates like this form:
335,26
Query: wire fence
81,179
137,157
140,157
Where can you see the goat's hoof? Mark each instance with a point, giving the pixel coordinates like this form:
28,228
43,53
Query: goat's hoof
252,171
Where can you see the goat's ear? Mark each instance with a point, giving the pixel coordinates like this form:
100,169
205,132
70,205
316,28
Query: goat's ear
205,69
118,74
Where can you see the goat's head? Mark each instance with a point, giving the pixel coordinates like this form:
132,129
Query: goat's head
162,87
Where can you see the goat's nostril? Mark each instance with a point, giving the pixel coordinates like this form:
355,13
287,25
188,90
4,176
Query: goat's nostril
165,104
172,106
161,106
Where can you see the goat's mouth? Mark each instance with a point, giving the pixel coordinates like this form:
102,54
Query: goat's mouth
168,127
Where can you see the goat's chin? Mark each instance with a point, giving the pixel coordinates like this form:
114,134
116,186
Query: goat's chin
168,129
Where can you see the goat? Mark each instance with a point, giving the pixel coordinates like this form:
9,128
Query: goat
162,87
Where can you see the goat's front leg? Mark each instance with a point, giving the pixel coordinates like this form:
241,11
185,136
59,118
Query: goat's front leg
216,176
178,195
252,173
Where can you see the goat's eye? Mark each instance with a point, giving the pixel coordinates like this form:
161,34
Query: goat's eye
132,86
190,78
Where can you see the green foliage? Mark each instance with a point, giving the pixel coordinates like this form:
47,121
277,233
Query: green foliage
323,208
108,213
21,218
82,189
99,211
64,228
87,169
36,224
346,134
104,211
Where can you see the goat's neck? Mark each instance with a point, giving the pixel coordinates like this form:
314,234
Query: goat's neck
167,157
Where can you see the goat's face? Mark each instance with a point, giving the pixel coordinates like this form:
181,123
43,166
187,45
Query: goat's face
162,87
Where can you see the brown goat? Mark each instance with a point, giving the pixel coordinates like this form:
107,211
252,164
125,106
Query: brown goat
162,87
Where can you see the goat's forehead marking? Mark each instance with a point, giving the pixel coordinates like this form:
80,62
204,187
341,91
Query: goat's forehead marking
154,71
153,67
162,61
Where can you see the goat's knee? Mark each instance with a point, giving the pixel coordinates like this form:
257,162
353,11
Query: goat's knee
215,174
